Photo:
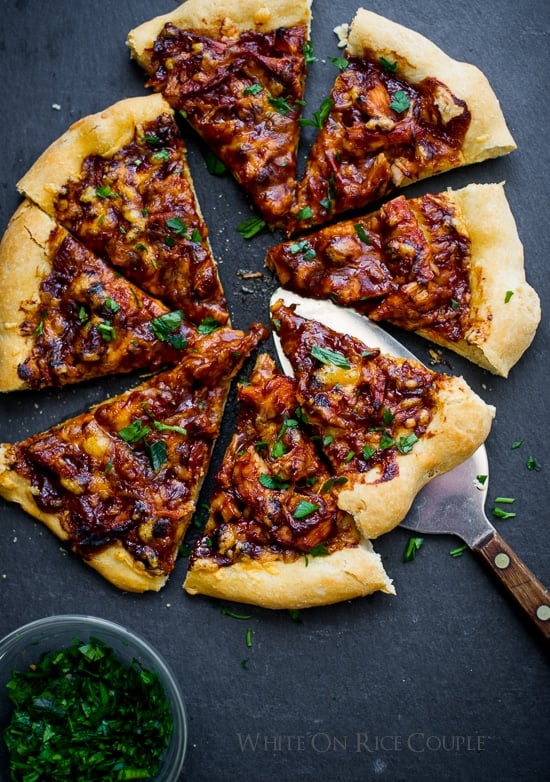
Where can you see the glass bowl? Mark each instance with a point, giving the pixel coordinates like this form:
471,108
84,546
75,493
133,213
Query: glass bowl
24,646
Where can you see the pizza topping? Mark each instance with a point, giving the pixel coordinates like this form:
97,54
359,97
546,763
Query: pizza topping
137,209
364,408
377,132
125,472
408,264
243,94
90,321
273,497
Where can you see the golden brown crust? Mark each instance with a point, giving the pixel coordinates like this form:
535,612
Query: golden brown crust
215,18
24,262
419,58
103,134
505,309
304,583
461,423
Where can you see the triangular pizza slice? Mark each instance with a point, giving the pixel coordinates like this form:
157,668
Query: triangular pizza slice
66,316
386,425
236,71
119,181
119,483
400,110
275,536
448,266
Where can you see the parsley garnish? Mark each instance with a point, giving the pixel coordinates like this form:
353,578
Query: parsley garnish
157,454
533,464
305,214
413,545
508,296
320,550
164,327
319,117
106,330
328,484
280,104
340,62
253,89
303,247
213,164
251,227
134,432
273,482
304,509
361,233
387,65
163,155
177,225
208,325
327,356
400,102
104,191
307,50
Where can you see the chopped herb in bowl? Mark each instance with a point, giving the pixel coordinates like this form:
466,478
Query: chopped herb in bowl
89,708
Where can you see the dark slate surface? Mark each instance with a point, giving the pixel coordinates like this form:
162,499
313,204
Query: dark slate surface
443,682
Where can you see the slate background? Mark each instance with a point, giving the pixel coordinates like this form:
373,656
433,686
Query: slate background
379,688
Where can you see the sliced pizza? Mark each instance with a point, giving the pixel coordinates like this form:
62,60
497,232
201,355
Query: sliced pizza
119,483
275,536
386,425
236,71
119,181
448,266
67,317
400,110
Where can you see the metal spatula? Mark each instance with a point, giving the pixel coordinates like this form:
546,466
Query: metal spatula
452,503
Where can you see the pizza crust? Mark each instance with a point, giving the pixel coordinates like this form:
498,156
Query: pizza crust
219,17
419,58
24,262
502,325
102,134
461,423
342,575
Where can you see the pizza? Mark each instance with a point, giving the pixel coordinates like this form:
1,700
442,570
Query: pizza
387,425
236,71
119,483
66,316
399,110
448,266
119,182
275,536
321,463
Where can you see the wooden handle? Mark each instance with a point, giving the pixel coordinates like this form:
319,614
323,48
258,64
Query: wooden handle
528,592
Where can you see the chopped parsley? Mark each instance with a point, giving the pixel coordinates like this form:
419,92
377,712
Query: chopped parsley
104,191
303,247
400,101
320,116
305,214
361,233
307,50
327,356
251,227
280,104
390,66
253,89
508,295
80,713
304,509
340,62
156,451
208,325
273,482
164,327
213,164
413,545
134,432
106,330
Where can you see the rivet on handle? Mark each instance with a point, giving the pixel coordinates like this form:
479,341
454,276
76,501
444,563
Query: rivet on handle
543,613
502,560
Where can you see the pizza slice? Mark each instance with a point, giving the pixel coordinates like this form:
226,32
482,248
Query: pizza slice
386,425
400,110
119,483
66,316
236,71
275,536
119,181
448,266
